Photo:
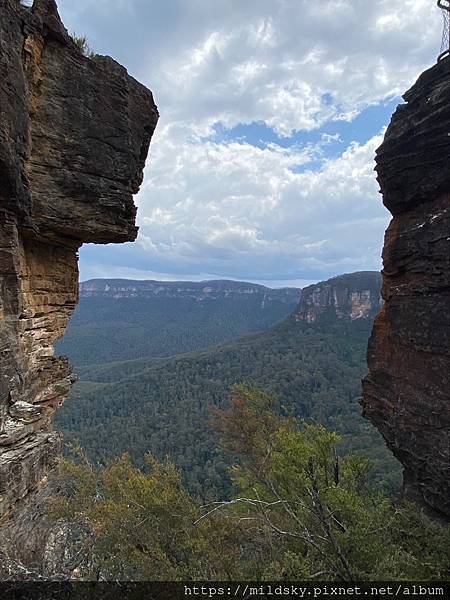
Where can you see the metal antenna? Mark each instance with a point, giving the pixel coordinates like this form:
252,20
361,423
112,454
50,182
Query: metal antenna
445,45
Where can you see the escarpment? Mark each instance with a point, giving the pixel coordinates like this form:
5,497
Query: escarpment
350,297
74,136
407,390
203,290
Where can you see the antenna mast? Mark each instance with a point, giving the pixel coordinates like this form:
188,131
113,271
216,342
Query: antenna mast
445,45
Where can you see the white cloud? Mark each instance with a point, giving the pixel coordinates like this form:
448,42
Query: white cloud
267,60
277,65
235,209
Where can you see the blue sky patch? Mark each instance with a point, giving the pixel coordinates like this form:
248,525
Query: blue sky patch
336,136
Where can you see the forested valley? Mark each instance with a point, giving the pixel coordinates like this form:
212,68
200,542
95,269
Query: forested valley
301,511
243,460
163,405
119,320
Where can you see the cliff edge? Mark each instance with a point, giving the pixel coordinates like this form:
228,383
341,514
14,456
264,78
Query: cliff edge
74,136
407,390
349,297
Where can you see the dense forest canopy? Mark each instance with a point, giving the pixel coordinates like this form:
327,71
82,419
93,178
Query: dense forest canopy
132,320
163,405
300,511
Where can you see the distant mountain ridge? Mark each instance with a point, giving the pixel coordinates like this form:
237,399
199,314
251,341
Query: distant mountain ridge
201,290
124,319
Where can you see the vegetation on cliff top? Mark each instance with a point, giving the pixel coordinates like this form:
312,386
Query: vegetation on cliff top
82,42
300,512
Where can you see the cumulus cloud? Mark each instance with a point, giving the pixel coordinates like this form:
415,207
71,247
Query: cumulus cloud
277,61
252,212
297,65
281,210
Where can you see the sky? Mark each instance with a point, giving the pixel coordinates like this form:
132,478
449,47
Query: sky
261,166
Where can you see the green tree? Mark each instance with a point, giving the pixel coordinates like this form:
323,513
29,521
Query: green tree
318,508
300,512
145,526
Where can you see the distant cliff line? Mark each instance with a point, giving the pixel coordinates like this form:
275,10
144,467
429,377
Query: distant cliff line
219,288
341,287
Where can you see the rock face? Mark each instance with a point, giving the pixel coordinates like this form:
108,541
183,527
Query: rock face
203,290
407,391
74,136
353,296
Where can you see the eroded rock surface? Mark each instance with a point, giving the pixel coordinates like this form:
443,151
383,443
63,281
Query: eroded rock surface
353,296
407,391
74,136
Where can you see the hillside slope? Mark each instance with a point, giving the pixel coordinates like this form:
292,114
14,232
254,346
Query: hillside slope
164,405
119,319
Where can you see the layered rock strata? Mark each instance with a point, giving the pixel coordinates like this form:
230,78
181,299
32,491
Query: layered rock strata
351,297
407,391
74,136
203,290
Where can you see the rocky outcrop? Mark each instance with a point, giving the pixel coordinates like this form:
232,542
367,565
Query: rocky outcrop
74,136
346,297
202,290
407,391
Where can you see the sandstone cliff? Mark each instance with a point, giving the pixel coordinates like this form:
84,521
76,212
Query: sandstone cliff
407,391
74,136
201,290
353,296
